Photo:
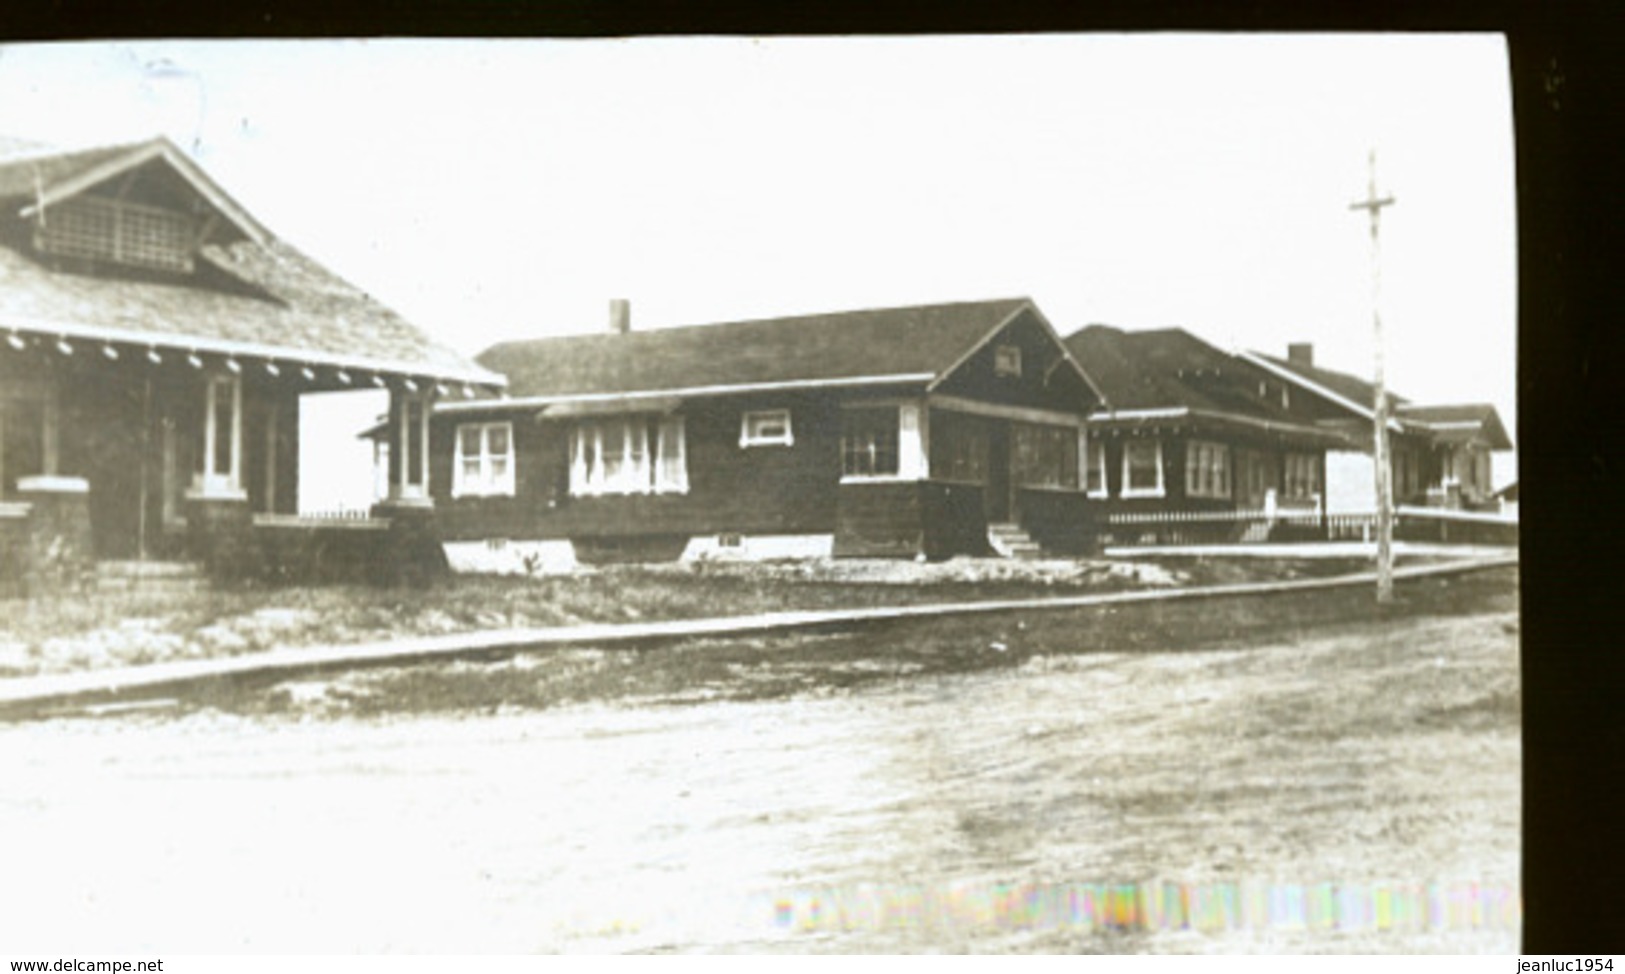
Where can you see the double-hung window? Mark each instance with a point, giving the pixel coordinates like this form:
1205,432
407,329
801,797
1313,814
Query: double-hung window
869,442
1142,468
1095,474
629,455
484,461
1046,456
1207,469
1302,476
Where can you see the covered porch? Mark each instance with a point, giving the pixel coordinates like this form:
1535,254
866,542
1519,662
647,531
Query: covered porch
118,448
941,475
1187,476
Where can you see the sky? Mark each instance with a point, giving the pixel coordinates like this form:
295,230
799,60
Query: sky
498,190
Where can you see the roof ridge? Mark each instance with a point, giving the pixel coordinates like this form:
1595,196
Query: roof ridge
47,151
760,322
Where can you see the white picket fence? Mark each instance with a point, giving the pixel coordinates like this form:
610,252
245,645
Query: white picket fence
1165,527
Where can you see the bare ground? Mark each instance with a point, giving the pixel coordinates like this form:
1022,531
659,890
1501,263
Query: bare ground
809,793
68,631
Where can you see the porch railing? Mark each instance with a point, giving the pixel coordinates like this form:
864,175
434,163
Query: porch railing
343,520
1293,524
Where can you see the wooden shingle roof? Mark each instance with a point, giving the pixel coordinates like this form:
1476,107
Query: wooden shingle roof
1169,367
912,344
1460,423
1348,386
251,295
1171,373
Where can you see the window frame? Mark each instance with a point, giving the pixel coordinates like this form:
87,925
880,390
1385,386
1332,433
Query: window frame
1095,449
1128,488
1007,360
484,485
658,465
1308,461
896,454
749,436
1209,471
1046,450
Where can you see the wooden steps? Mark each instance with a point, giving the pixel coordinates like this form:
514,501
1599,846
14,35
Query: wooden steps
1013,541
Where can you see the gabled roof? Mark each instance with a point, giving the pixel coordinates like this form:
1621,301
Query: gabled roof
1459,423
903,345
1168,367
1444,423
1342,384
92,167
252,294
1171,374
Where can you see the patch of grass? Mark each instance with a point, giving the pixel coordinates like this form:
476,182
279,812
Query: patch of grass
70,631
777,666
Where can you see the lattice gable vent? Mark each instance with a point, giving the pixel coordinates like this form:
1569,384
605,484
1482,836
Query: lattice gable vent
118,231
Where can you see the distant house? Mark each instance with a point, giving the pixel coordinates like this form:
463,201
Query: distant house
898,432
155,340
1441,453
1189,429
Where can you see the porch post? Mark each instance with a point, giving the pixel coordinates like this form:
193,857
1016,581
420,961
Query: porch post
218,518
50,434
270,456
413,552
236,466
409,448
911,456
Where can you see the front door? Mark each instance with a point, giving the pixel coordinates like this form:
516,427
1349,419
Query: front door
115,446
996,499
1254,479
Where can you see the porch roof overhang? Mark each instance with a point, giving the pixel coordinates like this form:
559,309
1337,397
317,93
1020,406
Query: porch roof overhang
320,369
617,406
1200,420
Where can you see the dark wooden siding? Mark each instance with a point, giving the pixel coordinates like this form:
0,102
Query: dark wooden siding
734,490
880,520
1042,384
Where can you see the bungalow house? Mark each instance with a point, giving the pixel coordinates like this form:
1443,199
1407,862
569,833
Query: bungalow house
905,432
1194,443
1441,453
155,340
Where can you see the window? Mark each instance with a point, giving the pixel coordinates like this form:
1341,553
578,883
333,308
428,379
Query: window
869,443
1207,469
1046,456
959,446
219,459
1007,360
1302,476
1095,476
770,427
1142,468
483,460
632,455
117,231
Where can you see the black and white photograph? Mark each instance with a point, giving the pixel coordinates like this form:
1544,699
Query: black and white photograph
995,494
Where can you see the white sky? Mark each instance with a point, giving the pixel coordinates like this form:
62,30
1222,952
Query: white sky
492,190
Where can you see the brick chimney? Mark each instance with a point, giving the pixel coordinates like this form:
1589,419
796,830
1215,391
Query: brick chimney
1301,353
620,316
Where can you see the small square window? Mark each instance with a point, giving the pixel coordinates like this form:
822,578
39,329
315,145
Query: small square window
1007,360
770,427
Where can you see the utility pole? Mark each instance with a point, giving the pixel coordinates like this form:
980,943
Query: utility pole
1373,205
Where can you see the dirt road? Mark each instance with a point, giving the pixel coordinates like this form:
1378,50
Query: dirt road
910,810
